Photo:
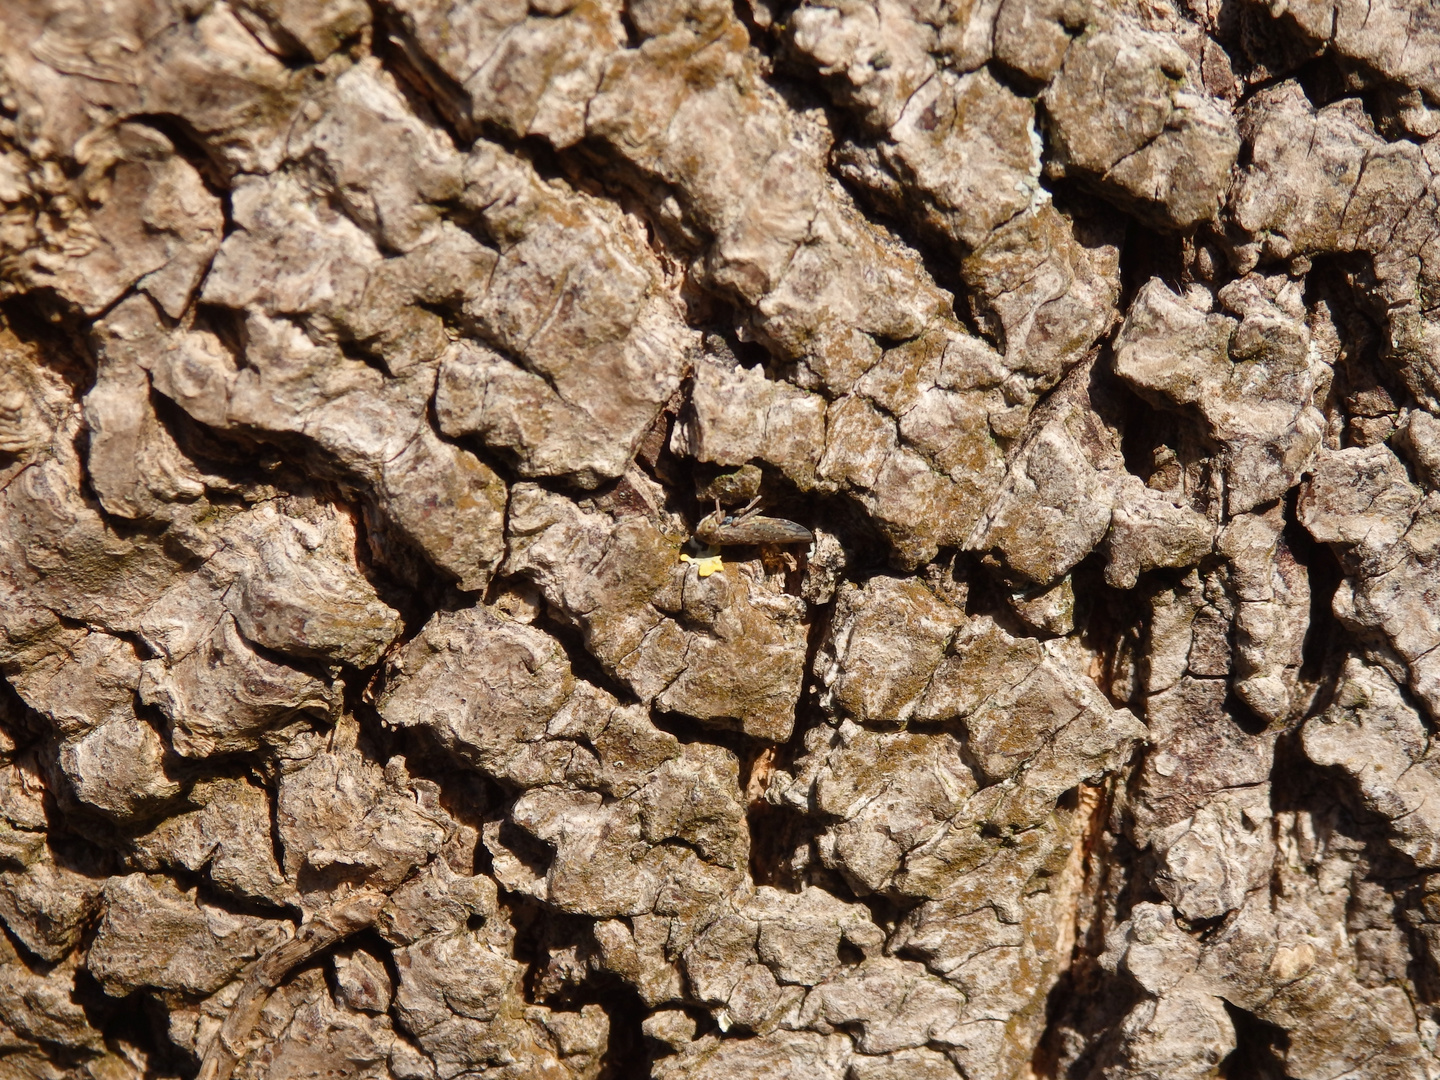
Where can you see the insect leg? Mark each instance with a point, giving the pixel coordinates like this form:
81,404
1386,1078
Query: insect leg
750,510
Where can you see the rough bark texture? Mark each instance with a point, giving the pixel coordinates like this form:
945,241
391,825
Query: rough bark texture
370,710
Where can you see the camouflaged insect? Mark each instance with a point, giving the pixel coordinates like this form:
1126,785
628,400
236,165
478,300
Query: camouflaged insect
749,527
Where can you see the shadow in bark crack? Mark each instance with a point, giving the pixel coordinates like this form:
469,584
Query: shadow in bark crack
1259,1048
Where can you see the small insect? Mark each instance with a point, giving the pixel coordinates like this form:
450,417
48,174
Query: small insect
749,527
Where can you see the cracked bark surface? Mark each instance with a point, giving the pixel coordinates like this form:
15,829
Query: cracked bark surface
369,709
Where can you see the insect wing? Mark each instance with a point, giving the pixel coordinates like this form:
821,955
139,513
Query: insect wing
762,530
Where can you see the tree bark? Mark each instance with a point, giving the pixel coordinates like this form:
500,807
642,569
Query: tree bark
845,540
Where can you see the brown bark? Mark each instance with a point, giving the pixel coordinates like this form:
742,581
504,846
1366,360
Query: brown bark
843,539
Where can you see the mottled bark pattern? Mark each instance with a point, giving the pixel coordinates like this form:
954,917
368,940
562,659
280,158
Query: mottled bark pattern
719,539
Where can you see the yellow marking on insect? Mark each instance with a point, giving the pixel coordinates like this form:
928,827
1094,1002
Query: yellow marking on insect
706,563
